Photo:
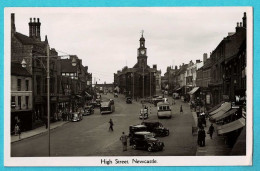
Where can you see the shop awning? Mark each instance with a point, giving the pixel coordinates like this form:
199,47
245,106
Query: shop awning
221,112
88,95
193,90
225,106
230,112
215,107
232,126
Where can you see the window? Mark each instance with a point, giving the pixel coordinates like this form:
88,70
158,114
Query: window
27,85
27,102
20,102
13,102
19,84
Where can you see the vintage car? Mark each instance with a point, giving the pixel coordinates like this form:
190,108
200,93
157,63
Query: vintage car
76,116
145,140
143,114
157,100
128,100
175,96
88,110
136,128
156,128
98,102
93,103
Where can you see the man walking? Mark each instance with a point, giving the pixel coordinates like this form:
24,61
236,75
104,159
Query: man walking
111,124
123,139
211,130
181,110
203,135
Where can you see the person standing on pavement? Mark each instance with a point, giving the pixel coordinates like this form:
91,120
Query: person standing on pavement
111,124
123,139
181,110
211,130
203,136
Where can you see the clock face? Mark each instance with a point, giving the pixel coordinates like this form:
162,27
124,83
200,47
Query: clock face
142,52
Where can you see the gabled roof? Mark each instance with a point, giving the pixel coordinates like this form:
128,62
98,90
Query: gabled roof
18,70
29,41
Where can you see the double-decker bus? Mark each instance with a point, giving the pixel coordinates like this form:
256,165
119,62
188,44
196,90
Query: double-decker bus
107,107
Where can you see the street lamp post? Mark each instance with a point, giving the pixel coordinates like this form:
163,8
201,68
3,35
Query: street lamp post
47,69
143,81
133,75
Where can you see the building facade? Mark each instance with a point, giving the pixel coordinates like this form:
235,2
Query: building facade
21,97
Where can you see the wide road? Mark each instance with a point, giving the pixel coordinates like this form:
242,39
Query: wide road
91,137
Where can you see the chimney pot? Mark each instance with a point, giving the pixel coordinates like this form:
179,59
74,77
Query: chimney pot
33,19
30,20
240,24
38,20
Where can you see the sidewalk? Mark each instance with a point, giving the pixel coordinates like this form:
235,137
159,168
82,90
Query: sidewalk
215,146
37,131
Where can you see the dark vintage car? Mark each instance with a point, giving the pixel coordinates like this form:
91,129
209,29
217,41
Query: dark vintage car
98,102
157,128
136,128
128,100
145,140
88,110
93,103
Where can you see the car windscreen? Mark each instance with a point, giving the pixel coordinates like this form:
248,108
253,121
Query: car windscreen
151,135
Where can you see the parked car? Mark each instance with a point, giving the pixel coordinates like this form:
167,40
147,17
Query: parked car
157,128
128,100
164,110
145,140
143,114
93,103
175,96
76,116
98,102
136,128
88,110
115,95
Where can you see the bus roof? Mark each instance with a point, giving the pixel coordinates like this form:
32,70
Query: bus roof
162,103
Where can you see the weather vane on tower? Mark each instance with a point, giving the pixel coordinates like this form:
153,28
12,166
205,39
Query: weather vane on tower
142,31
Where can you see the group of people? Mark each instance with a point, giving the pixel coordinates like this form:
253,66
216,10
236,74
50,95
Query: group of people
202,134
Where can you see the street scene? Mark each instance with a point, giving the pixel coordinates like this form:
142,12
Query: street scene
78,87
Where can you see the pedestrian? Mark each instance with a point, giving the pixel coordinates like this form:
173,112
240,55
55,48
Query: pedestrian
202,136
181,110
19,132
211,130
111,124
16,129
123,139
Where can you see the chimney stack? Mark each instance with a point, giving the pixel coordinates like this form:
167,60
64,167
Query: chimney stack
155,66
13,29
244,20
198,61
176,67
205,57
35,29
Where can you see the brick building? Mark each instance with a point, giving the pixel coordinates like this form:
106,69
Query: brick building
21,97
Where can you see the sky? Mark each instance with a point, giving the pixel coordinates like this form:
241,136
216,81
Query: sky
107,39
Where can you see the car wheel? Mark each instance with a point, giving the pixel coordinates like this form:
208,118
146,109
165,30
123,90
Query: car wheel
134,147
167,133
149,148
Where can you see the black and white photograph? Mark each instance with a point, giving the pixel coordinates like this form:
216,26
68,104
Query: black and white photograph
127,86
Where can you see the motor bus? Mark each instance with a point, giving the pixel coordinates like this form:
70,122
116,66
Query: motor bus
164,110
107,107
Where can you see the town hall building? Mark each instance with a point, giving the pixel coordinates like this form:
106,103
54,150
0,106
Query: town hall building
139,81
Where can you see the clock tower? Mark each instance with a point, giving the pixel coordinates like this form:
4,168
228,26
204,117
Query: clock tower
141,53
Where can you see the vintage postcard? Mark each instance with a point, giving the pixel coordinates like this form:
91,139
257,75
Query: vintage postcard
128,86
